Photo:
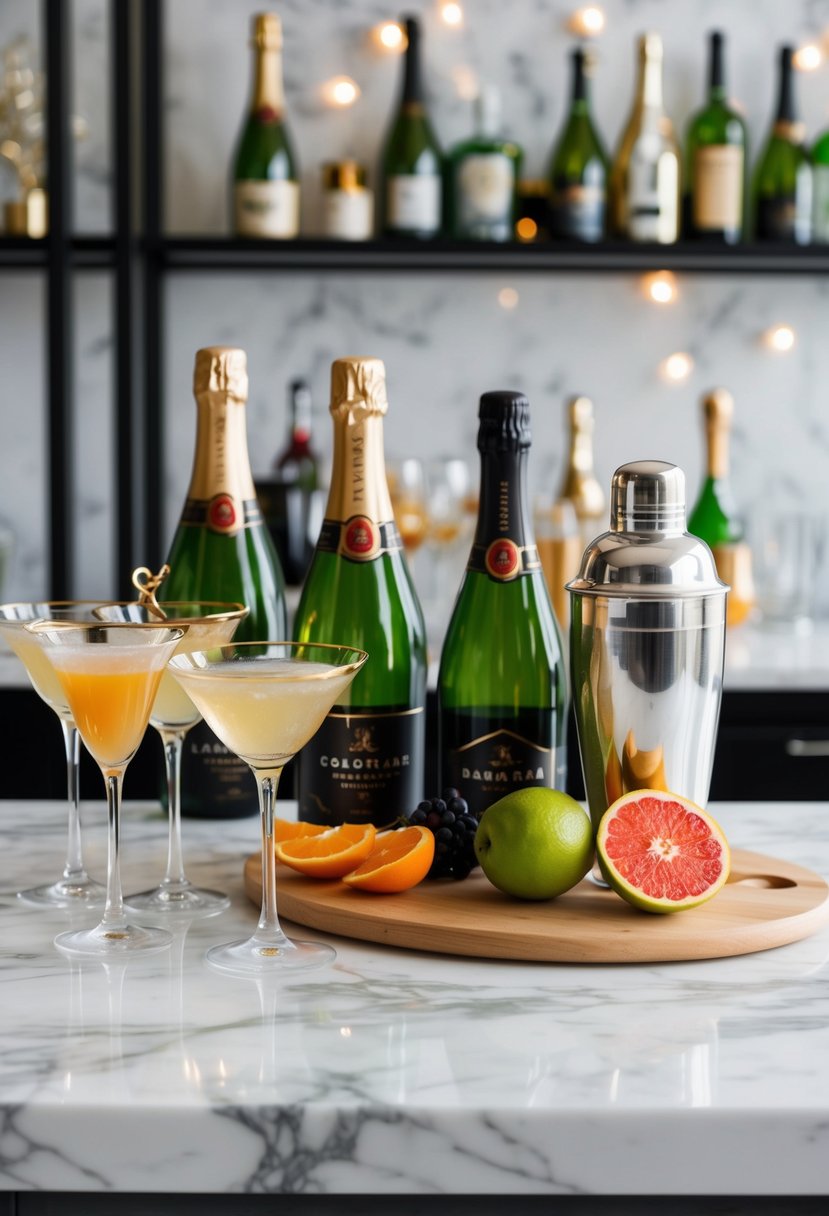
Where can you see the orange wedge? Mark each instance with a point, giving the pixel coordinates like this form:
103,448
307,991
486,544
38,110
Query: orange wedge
329,854
398,861
289,829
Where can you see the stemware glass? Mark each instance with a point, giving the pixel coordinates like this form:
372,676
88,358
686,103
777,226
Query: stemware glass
206,624
265,700
110,673
74,888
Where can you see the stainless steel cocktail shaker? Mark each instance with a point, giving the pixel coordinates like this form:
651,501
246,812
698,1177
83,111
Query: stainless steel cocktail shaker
647,645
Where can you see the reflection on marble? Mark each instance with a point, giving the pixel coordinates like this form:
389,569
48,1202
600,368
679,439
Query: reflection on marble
397,1071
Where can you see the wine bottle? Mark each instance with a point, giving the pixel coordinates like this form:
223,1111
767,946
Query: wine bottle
222,551
645,179
365,764
287,497
501,684
820,190
265,172
411,174
783,178
715,152
579,485
714,518
482,178
578,168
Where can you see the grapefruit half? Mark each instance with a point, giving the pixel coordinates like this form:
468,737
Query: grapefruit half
661,852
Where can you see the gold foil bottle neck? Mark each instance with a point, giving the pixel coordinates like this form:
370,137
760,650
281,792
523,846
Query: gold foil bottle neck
222,370
718,406
358,386
650,46
267,32
718,410
580,410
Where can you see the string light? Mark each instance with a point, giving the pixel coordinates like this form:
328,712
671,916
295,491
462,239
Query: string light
808,57
389,36
677,367
587,22
451,14
340,91
508,298
780,338
660,287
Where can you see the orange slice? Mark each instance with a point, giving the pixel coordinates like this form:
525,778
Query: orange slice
289,829
399,860
329,854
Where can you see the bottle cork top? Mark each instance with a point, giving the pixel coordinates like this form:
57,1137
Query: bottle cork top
267,32
718,406
503,422
650,46
580,411
358,381
221,369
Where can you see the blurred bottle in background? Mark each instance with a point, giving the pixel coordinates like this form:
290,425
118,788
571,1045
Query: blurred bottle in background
482,177
578,168
715,158
783,178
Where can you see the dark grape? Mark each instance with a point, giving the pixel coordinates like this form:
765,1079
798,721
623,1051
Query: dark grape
450,821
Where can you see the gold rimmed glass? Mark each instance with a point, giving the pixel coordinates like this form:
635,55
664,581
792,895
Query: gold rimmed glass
206,623
265,700
110,673
74,888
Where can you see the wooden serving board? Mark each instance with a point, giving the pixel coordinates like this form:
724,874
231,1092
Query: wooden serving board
765,903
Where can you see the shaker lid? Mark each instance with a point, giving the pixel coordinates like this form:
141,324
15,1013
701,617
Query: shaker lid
647,553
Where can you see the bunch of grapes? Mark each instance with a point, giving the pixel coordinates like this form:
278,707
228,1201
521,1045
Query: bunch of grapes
449,819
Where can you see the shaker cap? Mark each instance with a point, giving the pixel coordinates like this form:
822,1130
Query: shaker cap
647,553
503,422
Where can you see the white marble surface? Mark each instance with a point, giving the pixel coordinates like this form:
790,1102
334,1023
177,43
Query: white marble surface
400,1072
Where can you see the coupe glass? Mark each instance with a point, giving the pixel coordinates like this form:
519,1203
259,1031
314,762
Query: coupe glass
110,674
74,888
265,700
207,624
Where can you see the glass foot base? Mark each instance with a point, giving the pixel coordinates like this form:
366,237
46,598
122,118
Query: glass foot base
179,900
107,943
66,893
254,957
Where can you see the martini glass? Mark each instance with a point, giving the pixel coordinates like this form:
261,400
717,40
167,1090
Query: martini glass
207,623
110,674
74,889
265,700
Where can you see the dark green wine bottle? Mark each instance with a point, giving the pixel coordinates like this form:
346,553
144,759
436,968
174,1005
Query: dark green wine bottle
412,167
783,178
482,176
365,764
715,152
820,190
221,550
265,171
578,169
501,686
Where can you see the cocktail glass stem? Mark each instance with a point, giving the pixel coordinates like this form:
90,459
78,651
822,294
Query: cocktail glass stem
174,878
114,918
268,933
73,871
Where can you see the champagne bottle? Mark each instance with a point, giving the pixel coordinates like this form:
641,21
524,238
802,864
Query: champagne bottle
644,181
222,551
482,176
265,172
714,518
365,764
501,685
287,497
820,190
578,168
411,194
715,151
783,178
579,485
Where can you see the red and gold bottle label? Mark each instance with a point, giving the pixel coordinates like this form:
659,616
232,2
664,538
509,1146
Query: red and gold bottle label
503,559
222,513
359,539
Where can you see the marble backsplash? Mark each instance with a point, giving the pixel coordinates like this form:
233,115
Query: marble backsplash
445,338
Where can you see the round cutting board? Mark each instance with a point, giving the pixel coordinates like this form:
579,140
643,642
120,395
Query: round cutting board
765,903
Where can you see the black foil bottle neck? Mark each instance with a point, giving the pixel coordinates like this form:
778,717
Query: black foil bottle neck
503,422
412,80
503,507
716,63
580,89
786,104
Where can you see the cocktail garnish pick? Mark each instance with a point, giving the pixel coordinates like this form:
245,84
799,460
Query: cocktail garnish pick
146,584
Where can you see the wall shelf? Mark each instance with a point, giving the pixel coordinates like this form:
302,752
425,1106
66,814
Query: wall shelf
83,252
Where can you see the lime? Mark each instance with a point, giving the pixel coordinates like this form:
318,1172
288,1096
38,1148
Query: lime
535,843
661,852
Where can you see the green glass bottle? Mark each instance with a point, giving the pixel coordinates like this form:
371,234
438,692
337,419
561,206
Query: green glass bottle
265,170
365,764
578,169
714,518
412,167
783,178
501,685
820,190
715,157
482,178
221,550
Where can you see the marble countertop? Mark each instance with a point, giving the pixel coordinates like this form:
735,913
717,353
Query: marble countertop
402,1072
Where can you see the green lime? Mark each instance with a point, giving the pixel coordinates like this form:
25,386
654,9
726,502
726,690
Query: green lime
535,843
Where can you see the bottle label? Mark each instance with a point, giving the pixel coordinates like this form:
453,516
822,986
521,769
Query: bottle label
653,198
215,783
503,560
348,214
358,539
485,185
578,212
267,208
413,203
718,190
362,767
486,766
222,513
788,217
820,209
